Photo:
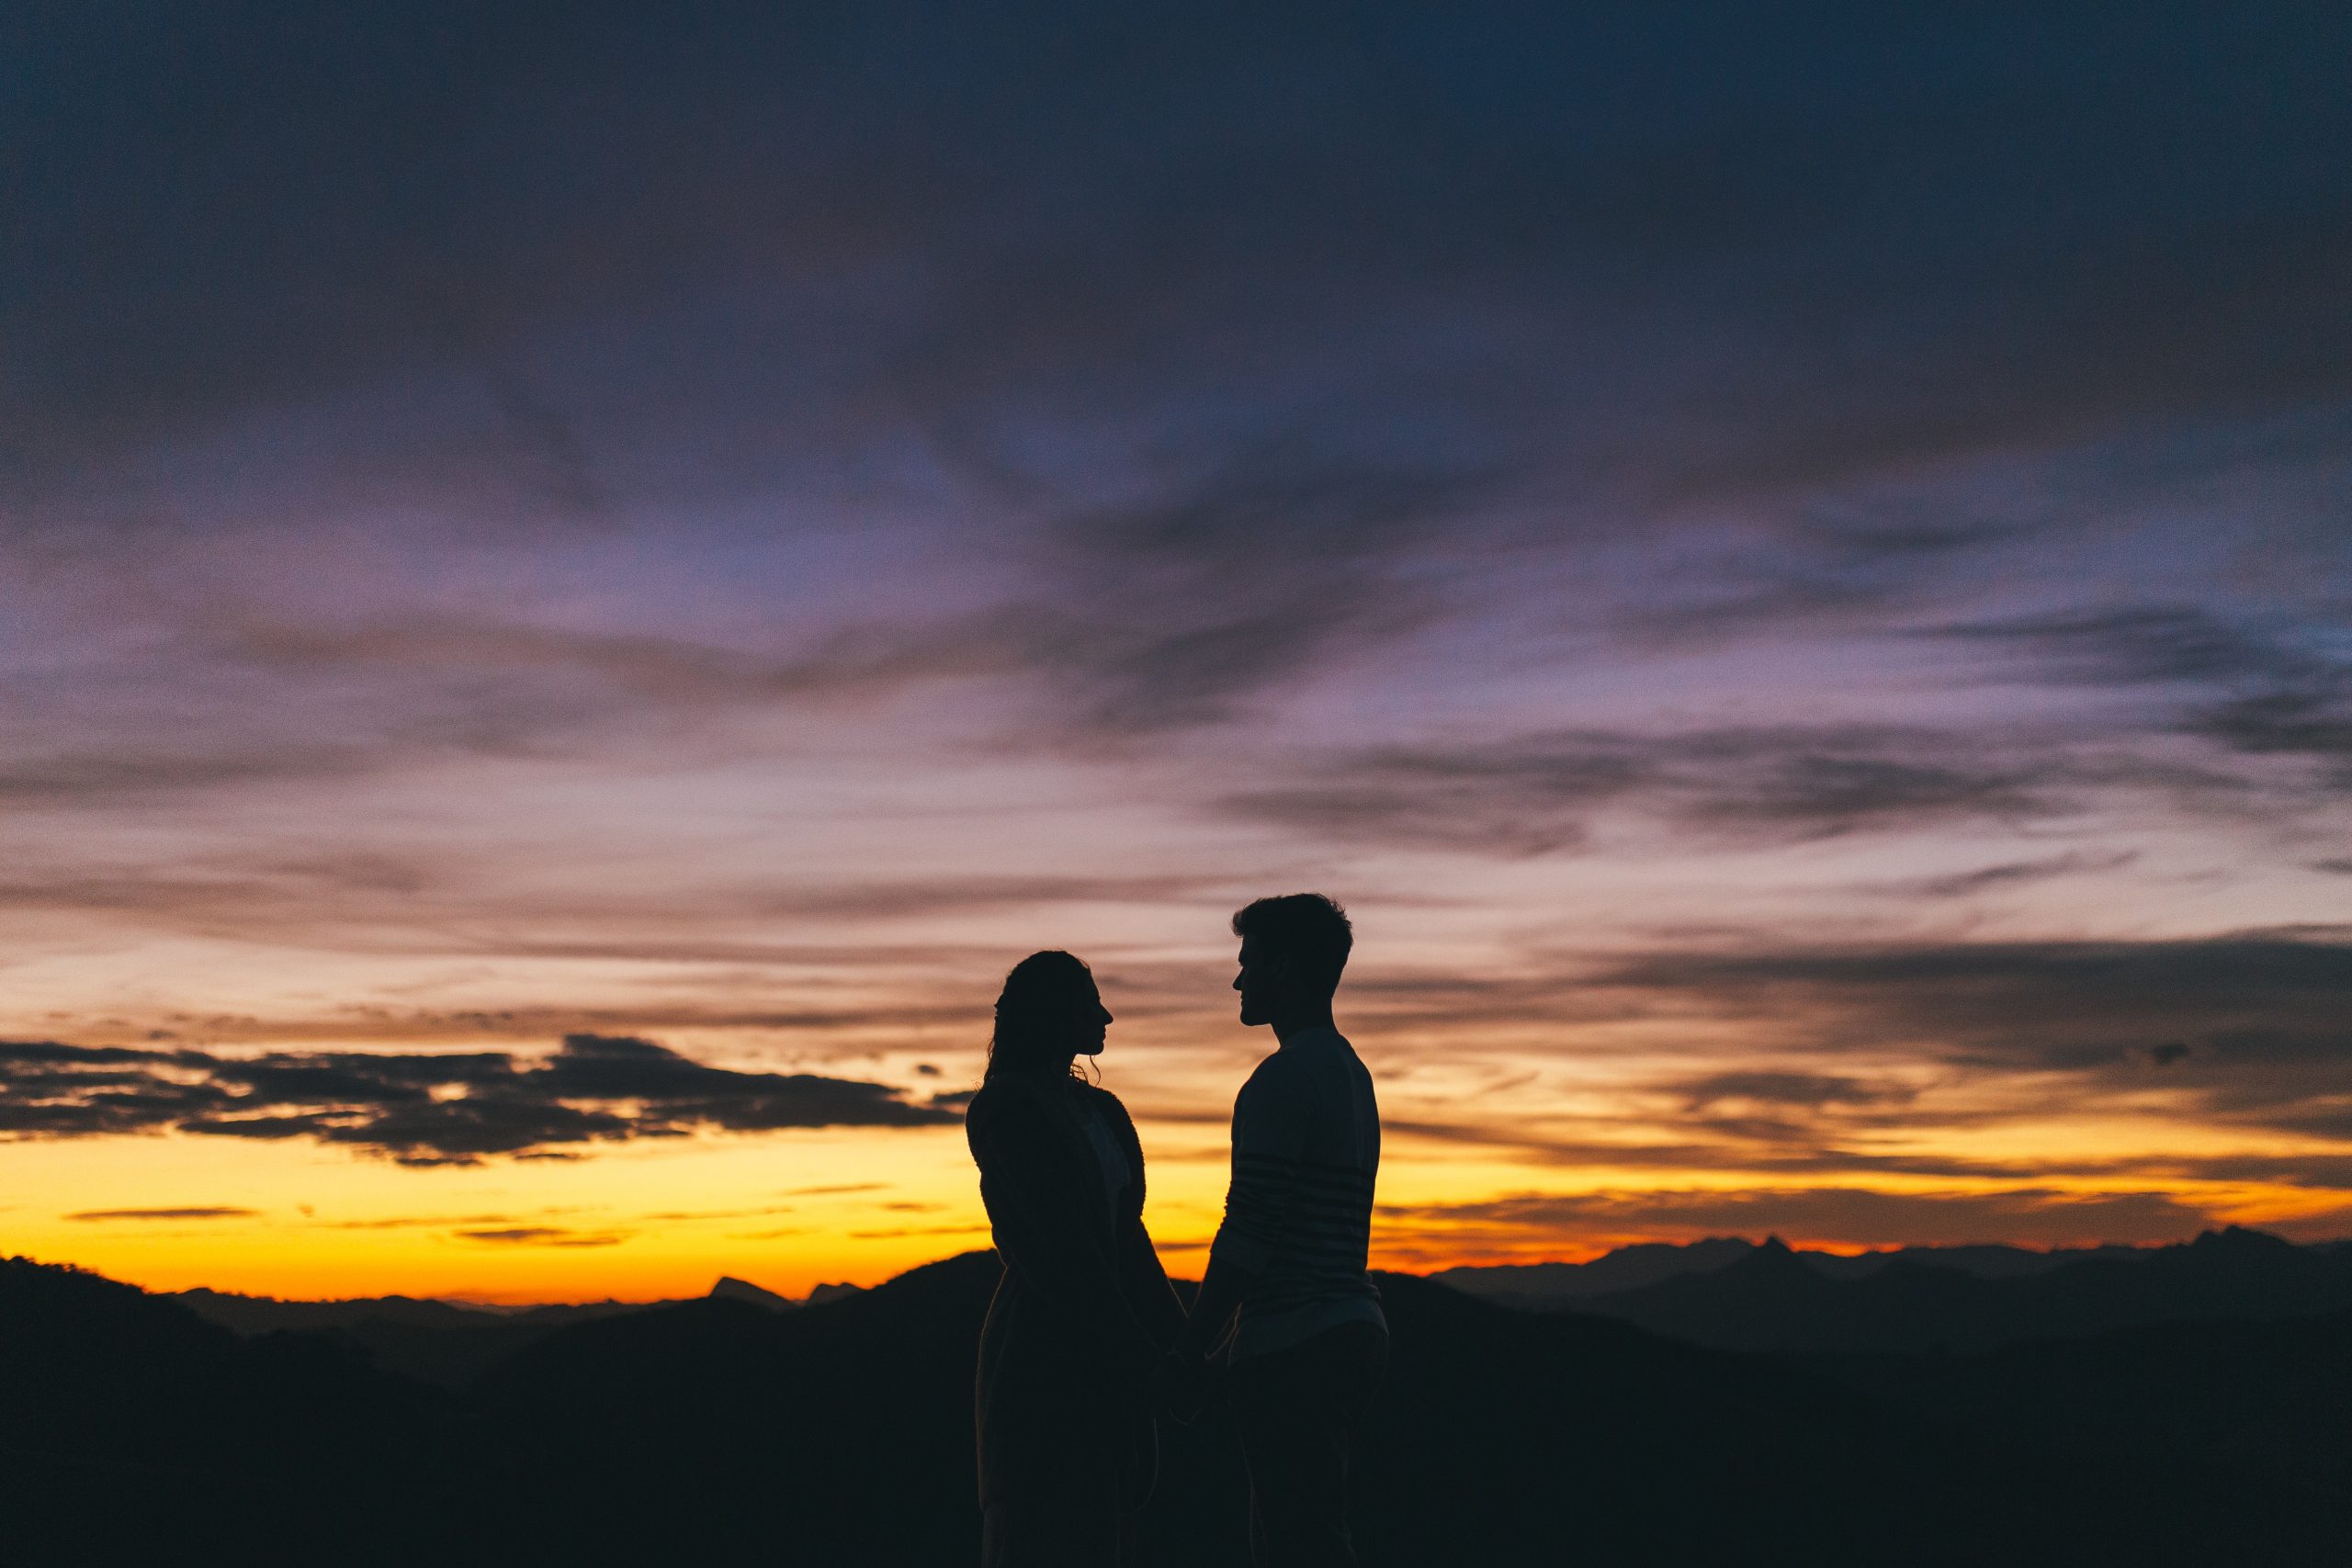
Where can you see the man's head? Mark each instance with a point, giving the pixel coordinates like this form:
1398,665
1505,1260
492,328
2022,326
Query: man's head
1292,949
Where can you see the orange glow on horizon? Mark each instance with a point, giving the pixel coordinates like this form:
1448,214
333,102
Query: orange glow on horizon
666,1219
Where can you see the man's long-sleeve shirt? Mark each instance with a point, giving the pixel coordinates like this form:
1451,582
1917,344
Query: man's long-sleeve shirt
1298,1215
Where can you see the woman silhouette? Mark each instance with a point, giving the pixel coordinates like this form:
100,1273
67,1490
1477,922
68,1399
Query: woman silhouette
1083,1318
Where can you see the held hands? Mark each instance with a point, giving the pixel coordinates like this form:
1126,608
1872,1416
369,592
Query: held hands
1180,1385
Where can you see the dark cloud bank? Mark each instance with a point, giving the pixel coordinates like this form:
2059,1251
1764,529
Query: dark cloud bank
2033,1215
1844,1055
422,1107
2252,1030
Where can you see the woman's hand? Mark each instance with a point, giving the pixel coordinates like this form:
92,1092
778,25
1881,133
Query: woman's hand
1180,1385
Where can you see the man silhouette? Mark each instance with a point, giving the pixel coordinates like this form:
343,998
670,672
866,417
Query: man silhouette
1308,1340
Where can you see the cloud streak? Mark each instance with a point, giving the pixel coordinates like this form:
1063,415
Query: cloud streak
425,1109
1534,793
543,1236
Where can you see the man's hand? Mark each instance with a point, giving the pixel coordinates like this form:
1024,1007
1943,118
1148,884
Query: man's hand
1180,1385
1223,1284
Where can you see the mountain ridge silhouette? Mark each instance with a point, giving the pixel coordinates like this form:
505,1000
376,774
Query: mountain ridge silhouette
840,1431
1737,1295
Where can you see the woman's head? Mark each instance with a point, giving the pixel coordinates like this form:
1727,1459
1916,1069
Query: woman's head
1047,1014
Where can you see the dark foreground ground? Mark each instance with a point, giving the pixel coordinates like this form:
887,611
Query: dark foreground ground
133,1430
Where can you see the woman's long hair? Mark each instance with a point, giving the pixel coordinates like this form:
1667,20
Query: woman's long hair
1032,1012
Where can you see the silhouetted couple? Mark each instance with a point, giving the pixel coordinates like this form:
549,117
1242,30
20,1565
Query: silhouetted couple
1086,1341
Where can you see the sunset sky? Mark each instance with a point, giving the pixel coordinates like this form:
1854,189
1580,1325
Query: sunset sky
1791,565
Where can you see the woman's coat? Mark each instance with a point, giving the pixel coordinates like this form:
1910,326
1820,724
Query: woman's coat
1084,1312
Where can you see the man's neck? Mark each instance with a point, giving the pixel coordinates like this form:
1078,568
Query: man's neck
1306,1021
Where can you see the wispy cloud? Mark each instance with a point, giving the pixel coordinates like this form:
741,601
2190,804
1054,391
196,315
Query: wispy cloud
2007,875
2134,645
1811,1090
2314,724
1533,794
199,1214
544,1235
2264,692
1173,609
917,1230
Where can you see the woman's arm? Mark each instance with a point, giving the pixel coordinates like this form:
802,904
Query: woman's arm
1141,1278
1145,1284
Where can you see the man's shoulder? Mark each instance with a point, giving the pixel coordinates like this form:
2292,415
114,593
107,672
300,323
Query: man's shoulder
1315,1055
1307,1070
1275,1069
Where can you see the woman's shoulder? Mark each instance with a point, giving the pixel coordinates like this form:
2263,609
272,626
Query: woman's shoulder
1004,1119
995,1096
1019,1093
1007,1089
1102,1101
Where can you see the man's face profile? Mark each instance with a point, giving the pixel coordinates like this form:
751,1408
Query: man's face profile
1255,983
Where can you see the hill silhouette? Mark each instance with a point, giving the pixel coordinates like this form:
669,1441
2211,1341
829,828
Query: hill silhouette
263,1315
1772,1298
841,1432
130,1426
1538,1285
1624,1268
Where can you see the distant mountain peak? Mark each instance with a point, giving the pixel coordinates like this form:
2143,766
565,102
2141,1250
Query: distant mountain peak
833,1292
730,1289
2242,1239
1772,1259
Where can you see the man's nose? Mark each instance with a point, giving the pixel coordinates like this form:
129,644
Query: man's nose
1237,980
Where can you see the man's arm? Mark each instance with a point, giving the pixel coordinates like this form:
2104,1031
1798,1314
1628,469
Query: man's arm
1223,1286
1256,1206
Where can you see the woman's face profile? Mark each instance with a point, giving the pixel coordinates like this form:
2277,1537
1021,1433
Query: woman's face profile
1090,1020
